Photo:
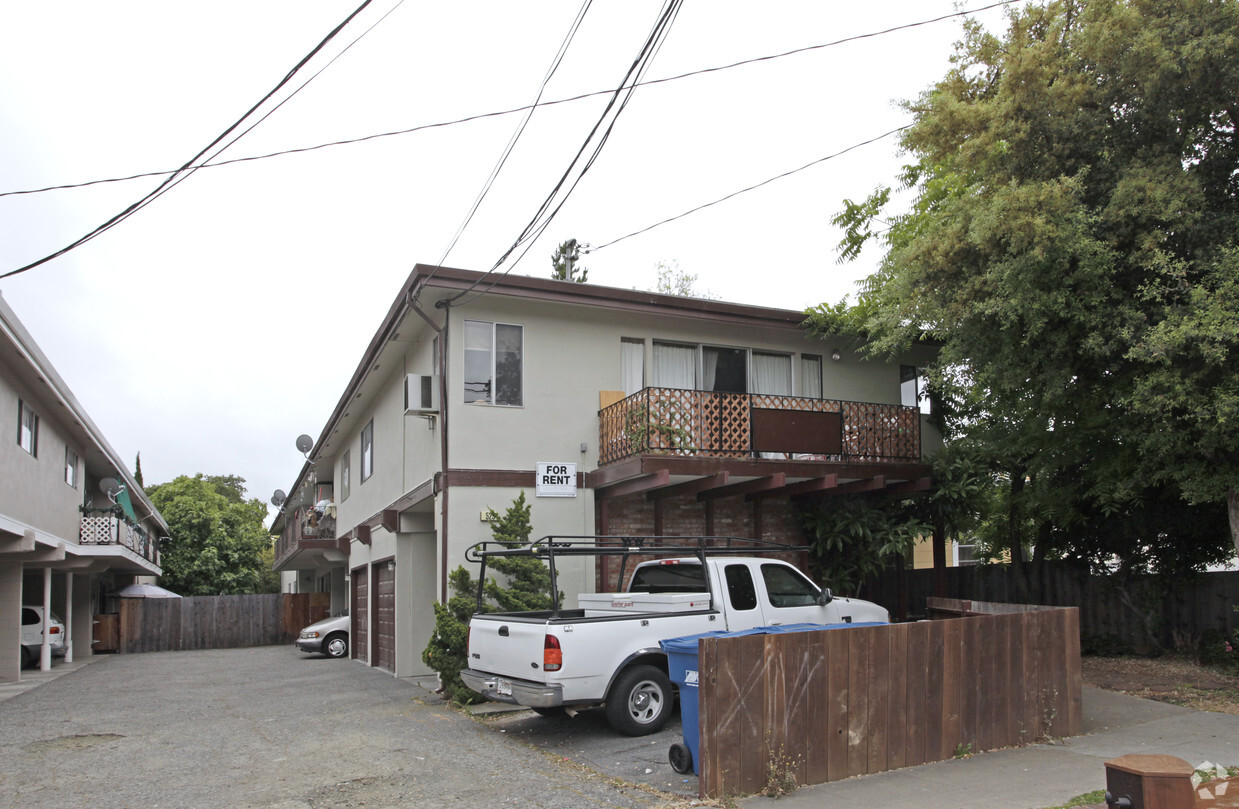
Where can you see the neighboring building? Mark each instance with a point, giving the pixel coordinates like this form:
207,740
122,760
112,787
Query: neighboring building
64,545
644,413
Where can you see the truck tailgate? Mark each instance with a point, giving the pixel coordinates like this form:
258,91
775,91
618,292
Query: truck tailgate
507,645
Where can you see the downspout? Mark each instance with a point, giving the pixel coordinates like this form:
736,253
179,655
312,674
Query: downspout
443,483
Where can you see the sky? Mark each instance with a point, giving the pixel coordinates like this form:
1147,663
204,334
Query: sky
217,324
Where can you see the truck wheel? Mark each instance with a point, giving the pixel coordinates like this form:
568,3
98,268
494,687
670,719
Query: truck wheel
640,701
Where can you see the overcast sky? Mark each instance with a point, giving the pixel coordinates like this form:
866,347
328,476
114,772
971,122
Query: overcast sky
217,324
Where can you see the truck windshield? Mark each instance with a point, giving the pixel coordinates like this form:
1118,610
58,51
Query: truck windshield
677,578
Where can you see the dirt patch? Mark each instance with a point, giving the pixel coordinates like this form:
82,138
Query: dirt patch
1167,679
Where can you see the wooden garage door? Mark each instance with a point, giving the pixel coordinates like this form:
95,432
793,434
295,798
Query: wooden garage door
358,610
384,604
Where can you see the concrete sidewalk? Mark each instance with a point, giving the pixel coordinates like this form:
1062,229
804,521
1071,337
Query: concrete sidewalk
1039,775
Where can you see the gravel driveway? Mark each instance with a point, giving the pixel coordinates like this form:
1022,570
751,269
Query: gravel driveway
271,727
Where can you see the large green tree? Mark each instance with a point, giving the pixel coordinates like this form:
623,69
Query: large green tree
217,543
1073,245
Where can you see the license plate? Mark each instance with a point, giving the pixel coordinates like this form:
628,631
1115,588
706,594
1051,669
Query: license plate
503,688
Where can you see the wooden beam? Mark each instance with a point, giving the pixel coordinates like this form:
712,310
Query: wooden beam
391,520
873,484
690,486
911,486
642,484
362,534
804,487
775,481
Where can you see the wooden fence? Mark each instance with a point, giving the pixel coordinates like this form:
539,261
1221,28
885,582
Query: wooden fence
1140,611
216,622
825,705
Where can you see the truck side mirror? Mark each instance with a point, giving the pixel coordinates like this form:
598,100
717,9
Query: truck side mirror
825,597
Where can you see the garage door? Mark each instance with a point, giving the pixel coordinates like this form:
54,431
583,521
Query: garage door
359,610
384,603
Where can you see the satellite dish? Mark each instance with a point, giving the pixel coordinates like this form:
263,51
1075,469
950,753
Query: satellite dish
278,498
110,487
304,444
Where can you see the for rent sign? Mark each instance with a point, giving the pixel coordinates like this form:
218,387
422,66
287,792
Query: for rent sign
556,479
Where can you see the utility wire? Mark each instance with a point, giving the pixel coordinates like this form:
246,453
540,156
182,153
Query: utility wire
545,214
189,164
733,194
503,158
514,110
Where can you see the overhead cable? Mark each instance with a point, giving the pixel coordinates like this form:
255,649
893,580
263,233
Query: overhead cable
189,165
515,110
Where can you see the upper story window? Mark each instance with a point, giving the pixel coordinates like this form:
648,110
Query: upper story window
345,472
772,374
71,467
632,365
27,428
912,389
367,451
726,370
494,362
810,376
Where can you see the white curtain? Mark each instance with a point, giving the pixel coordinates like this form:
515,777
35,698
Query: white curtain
675,366
632,366
772,374
811,377
709,367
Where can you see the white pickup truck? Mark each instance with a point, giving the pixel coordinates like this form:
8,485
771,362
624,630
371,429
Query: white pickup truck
607,650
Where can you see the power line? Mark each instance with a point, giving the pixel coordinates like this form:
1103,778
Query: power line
545,214
526,108
189,166
503,158
733,194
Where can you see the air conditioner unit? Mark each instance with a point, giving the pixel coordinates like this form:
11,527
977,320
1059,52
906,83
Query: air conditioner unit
421,394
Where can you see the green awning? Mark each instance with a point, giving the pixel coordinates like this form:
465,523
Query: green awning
122,497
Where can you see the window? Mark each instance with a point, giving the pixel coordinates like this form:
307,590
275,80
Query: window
494,363
27,428
71,467
810,376
675,366
912,389
632,365
367,451
740,589
787,588
345,471
772,374
724,370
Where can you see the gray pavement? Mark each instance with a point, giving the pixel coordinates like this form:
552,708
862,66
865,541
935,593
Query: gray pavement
269,727
1039,775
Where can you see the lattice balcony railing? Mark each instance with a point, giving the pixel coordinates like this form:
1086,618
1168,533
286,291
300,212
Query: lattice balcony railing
108,528
669,421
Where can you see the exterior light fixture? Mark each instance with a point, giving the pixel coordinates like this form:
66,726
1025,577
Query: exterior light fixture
835,355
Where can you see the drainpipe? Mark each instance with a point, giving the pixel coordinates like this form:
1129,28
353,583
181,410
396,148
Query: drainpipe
69,616
442,489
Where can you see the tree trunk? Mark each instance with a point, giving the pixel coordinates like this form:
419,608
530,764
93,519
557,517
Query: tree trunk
1232,506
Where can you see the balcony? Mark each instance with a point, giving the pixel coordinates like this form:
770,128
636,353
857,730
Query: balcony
704,424
106,527
308,542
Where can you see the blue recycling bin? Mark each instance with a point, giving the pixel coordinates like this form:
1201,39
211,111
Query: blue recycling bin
682,659
682,669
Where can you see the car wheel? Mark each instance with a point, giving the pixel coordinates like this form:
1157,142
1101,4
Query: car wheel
640,701
27,658
336,646
681,758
